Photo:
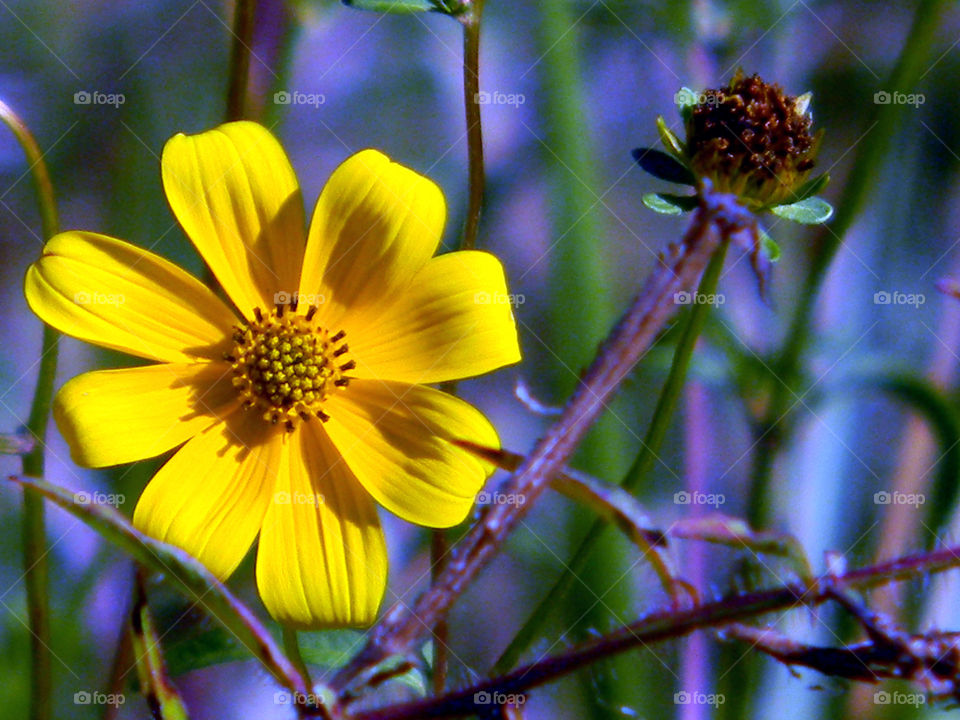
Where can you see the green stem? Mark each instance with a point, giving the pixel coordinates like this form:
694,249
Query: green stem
870,156
642,465
291,647
471,97
240,59
34,525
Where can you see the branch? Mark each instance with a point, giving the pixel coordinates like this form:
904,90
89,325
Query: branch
717,218
665,625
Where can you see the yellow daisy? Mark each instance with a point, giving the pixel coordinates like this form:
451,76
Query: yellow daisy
305,406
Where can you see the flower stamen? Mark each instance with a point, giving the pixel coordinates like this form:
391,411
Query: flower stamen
286,365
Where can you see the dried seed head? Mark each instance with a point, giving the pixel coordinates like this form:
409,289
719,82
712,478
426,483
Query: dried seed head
752,140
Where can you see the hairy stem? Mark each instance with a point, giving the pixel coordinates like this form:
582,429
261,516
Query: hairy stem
240,59
712,222
662,416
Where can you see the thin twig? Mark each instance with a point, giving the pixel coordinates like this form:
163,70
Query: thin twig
667,625
471,99
240,59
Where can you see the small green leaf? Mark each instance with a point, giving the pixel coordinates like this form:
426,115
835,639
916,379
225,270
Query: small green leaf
686,100
667,204
812,186
398,7
329,648
811,211
769,246
669,138
663,166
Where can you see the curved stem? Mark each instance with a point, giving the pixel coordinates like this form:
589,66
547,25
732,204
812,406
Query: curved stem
34,524
662,416
291,648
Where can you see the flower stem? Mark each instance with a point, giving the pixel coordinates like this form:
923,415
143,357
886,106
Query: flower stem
656,433
471,99
244,12
291,648
34,524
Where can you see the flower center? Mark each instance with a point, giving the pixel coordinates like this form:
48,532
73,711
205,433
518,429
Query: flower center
286,365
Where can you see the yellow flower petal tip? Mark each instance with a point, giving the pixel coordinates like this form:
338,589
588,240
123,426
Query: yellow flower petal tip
302,407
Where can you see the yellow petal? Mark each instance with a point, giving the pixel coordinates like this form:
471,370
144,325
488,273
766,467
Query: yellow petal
114,294
235,194
210,497
454,321
375,225
396,439
322,560
109,417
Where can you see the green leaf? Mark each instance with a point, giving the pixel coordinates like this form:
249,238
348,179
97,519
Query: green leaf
812,186
161,694
397,7
191,577
668,204
669,138
769,246
663,166
329,648
811,211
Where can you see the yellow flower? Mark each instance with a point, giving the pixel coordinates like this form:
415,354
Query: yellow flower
297,413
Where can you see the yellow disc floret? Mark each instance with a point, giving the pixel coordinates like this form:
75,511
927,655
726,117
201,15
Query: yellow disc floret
286,365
